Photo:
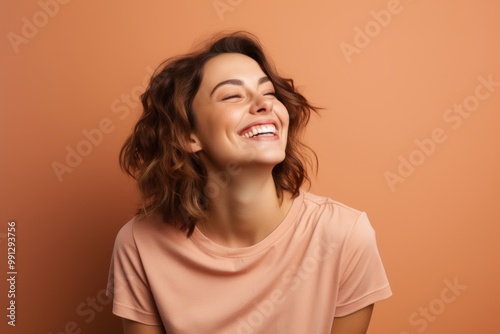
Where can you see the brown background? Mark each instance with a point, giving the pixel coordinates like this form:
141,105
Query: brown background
436,225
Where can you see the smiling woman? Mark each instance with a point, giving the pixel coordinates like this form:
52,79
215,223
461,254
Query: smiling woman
259,255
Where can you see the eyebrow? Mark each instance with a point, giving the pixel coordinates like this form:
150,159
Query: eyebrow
237,82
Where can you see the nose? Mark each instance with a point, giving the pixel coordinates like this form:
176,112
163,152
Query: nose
261,105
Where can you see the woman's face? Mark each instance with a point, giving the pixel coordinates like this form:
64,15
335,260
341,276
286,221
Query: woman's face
238,118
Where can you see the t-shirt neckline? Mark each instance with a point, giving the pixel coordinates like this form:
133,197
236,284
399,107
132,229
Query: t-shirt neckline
209,246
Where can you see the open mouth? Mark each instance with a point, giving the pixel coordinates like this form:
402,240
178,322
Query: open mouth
264,130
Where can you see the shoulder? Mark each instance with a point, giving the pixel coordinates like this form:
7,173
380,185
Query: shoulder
319,200
125,240
124,235
336,221
330,209
145,236
137,229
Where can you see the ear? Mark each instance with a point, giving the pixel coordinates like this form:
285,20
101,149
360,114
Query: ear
194,144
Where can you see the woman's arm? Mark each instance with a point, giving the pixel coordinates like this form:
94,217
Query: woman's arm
354,323
133,327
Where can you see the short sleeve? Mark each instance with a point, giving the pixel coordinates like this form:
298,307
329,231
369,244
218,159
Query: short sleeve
362,276
127,282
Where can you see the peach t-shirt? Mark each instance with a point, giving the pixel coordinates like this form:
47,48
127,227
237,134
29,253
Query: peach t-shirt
321,262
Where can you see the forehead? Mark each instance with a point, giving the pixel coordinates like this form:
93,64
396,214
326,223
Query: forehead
230,66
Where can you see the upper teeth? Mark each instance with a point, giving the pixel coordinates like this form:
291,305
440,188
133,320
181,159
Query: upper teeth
259,129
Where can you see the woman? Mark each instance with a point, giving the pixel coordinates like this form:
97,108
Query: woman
225,240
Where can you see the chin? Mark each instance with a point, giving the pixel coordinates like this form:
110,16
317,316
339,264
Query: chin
272,159
268,155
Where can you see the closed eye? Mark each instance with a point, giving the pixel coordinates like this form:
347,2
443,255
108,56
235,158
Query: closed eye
230,97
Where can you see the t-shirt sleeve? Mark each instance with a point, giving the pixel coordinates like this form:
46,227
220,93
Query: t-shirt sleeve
362,276
127,282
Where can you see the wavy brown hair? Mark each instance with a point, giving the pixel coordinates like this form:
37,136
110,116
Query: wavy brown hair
172,180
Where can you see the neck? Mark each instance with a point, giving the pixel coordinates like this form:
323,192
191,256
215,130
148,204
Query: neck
244,209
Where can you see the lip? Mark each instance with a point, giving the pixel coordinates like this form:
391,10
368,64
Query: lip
260,122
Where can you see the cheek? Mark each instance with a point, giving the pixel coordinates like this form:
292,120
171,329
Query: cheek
220,123
283,114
